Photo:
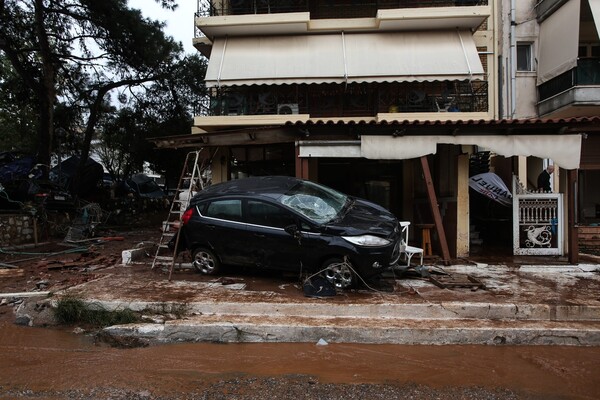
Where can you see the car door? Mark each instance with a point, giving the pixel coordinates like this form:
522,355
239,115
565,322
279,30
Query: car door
271,246
226,231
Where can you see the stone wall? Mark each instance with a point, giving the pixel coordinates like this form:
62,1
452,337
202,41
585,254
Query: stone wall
16,229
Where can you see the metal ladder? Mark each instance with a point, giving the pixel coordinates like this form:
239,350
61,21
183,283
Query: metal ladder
191,175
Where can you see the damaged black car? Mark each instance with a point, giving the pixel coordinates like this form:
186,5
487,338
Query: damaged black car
289,224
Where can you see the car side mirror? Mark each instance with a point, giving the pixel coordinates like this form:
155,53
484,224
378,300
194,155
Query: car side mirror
293,231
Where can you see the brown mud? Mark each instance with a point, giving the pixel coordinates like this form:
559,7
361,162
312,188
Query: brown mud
36,362
53,363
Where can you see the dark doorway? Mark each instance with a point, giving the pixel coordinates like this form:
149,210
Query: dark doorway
374,180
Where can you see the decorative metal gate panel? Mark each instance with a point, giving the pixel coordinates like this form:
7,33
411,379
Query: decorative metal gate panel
537,222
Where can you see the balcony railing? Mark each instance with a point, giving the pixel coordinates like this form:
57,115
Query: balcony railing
355,100
587,72
321,9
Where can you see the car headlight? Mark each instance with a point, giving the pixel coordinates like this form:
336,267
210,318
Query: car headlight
367,240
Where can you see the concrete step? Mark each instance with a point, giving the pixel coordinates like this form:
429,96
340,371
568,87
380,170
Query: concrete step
396,311
252,329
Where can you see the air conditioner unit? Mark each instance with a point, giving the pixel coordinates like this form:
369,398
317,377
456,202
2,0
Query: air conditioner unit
288,108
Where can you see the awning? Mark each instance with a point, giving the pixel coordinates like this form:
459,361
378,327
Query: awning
595,7
559,41
329,148
564,150
340,58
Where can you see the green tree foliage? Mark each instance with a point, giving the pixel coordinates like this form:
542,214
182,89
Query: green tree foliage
18,117
75,52
164,108
171,104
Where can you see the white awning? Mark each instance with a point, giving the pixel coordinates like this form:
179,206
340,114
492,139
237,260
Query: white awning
329,148
559,42
564,150
339,58
595,7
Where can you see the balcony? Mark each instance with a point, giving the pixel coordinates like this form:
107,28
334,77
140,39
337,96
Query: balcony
572,93
322,9
245,18
356,100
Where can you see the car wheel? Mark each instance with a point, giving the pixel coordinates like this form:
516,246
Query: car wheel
205,261
339,273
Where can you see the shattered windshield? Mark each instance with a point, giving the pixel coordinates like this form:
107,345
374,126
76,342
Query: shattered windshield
318,203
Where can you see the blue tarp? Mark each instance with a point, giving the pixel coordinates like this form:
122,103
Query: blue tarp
18,168
90,177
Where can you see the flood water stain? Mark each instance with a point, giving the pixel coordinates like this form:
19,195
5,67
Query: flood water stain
52,360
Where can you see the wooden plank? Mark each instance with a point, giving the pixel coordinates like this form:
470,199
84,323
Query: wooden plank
456,281
572,227
25,294
435,210
589,229
11,273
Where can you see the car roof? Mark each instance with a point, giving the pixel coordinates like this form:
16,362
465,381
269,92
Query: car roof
269,186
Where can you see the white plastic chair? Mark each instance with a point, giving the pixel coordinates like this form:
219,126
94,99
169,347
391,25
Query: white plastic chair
408,251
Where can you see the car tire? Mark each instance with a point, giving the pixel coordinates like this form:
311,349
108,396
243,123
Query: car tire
339,272
205,261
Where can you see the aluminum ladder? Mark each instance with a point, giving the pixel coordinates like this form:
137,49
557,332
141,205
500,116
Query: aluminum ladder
192,179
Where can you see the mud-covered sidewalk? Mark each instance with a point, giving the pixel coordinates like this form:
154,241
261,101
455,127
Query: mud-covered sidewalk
522,302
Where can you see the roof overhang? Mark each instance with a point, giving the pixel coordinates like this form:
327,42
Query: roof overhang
558,139
232,137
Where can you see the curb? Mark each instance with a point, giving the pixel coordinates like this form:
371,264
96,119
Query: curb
414,311
233,329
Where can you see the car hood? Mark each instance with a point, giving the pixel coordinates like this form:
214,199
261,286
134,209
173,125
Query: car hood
363,218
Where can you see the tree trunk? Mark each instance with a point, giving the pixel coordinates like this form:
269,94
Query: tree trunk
48,94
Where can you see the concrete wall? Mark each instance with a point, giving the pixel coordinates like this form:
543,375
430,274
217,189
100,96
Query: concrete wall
527,31
16,229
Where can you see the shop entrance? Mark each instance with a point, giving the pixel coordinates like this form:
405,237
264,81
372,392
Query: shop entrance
375,180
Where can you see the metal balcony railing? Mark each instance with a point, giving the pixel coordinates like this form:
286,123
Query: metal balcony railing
321,9
367,99
587,72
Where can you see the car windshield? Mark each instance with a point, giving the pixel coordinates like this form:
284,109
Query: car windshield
317,203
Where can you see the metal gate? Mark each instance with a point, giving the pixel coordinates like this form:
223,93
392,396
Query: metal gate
537,222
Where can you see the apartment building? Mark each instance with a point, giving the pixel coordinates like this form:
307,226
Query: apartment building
399,102
555,46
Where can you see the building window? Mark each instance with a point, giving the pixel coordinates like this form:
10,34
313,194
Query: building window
524,57
589,50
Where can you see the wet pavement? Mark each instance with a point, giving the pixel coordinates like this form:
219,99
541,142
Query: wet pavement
555,304
518,300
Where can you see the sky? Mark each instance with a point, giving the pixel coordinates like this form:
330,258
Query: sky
180,23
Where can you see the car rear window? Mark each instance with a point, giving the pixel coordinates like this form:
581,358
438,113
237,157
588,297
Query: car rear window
230,210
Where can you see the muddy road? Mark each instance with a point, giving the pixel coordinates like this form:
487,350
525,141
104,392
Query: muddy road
43,363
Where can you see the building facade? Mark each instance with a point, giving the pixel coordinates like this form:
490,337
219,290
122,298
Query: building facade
555,46
399,102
